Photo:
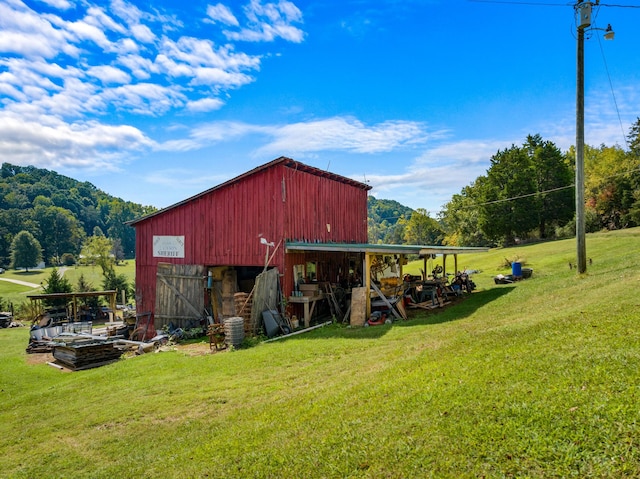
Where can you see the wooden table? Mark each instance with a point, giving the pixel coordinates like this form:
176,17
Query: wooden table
309,303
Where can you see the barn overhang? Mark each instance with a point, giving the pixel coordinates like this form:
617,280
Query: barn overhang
369,251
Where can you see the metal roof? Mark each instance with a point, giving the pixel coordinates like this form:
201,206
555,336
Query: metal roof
79,294
382,248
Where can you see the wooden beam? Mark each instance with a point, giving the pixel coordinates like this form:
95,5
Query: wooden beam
367,281
385,300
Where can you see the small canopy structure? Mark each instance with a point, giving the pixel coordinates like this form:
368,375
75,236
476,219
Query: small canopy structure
73,297
370,251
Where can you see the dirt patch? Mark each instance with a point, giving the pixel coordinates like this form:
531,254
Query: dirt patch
192,349
39,358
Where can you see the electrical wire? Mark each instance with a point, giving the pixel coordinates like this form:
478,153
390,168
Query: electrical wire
613,94
523,3
553,4
513,198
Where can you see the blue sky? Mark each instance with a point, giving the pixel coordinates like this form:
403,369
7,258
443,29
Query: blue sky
157,101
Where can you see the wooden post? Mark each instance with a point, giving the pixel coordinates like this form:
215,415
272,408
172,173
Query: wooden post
424,267
112,304
367,281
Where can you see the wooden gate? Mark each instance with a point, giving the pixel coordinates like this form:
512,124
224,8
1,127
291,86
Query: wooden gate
179,295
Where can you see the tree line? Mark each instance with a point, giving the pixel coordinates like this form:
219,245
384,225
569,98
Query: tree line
527,193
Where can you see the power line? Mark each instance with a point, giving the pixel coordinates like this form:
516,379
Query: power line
613,94
542,4
523,3
528,195
513,198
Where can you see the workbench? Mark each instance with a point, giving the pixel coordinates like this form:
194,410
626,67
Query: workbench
309,303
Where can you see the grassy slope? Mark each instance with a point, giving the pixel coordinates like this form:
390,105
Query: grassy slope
537,379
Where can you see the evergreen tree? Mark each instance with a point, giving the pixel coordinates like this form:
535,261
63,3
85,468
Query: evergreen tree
634,138
56,283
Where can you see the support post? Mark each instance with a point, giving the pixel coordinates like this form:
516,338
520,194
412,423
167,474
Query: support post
581,249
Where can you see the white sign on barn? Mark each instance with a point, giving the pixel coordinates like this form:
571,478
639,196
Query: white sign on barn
168,246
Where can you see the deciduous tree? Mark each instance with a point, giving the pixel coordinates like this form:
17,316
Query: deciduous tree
421,229
26,251
97,250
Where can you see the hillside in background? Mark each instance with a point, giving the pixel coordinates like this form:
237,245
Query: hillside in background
383,220
61,212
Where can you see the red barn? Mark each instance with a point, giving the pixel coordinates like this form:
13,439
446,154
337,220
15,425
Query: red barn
229,232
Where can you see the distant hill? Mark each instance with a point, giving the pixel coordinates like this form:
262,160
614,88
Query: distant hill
61,212
383,220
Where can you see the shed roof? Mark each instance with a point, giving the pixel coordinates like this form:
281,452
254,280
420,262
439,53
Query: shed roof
283,160
382,248
79,294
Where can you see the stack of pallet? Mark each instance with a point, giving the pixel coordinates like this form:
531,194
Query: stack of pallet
80,355
243,304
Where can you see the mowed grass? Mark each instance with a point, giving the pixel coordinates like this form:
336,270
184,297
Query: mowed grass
536,379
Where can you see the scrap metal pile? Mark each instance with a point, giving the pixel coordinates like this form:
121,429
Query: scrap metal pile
74,345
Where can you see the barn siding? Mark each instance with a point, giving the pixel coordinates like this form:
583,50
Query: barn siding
285,200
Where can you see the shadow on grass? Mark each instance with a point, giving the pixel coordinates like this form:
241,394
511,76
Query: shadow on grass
457,310
460,309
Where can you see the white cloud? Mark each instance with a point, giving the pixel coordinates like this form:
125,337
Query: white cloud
221,13
199,52
117,45
85,31
109,75
97,17
219,77
126,11
59,4
145,98
59,69
140,67
143,33
212,133
270,21
346,134
52,143
333,134
30,35
462,153
205,104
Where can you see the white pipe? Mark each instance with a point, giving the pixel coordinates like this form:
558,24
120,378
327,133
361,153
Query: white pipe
298,332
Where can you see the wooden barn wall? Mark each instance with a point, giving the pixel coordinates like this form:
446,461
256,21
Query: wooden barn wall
223,227
313,202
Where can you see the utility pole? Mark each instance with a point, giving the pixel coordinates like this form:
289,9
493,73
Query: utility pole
584,21
583,17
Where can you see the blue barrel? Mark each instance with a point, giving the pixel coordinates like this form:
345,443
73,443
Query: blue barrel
516,269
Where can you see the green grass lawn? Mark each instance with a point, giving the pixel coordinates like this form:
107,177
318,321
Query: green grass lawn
10,292
536,379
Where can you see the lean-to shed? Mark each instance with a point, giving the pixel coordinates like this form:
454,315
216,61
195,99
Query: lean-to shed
226,235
